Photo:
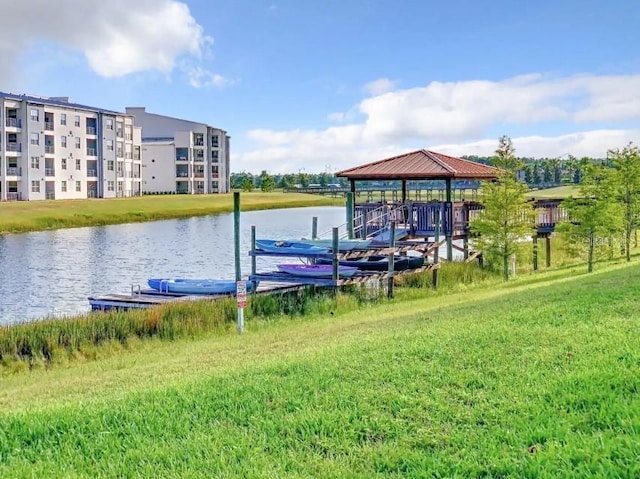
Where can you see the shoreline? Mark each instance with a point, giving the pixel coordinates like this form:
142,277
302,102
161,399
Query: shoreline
28,217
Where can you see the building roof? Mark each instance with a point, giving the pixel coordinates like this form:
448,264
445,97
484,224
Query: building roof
421,165
59,102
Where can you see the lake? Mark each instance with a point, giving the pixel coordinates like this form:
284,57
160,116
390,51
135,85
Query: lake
51,273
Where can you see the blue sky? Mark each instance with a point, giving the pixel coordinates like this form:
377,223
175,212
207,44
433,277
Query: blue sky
331,84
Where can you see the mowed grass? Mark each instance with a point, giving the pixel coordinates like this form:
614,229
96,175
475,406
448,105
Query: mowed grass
554,193
526,380
23,216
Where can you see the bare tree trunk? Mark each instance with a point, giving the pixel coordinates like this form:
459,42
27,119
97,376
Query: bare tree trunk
591,251
628,243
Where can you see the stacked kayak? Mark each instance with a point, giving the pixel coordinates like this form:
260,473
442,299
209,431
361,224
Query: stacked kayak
381,263
195,286
316,270
289,247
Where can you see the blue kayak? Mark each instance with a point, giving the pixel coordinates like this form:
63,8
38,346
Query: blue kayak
344,245
195,286
289,247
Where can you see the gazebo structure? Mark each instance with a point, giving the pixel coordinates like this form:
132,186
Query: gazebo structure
435,217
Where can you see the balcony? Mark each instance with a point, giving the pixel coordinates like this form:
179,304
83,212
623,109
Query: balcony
136,174
92,173
92,152
214,175
48,125
182,174
49,172
14,171
14,196
13,123
199,174
49,149
91,130
13,147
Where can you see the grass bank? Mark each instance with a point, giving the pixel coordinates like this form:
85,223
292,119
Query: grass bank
24,216
534,378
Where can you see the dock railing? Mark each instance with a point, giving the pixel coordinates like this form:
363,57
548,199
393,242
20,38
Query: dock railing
370,220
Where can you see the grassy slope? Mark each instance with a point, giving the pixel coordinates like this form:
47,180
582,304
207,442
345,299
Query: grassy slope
22,216
528,380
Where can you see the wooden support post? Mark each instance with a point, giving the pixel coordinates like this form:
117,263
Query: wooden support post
253,257
535,252
350,209
404,191
436,239
336,248
548,248
449,231
465,247
314,227
392,244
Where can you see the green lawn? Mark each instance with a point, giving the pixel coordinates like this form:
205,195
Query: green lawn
22,216
557,192
535,378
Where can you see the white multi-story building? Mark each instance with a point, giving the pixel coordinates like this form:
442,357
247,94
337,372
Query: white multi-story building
181,156
53,149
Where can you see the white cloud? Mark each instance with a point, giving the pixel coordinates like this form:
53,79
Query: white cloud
456,118
117,38
379,86
199,77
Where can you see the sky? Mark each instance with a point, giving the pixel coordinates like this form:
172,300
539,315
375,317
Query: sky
324,85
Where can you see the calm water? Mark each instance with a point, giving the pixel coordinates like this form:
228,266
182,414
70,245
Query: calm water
52,273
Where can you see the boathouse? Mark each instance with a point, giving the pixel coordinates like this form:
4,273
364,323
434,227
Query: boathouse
421,218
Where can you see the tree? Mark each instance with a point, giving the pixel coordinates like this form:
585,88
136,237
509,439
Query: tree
267,183
626,164
594,216
247,182
507,217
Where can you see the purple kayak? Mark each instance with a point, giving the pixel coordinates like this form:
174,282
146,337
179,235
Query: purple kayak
316,270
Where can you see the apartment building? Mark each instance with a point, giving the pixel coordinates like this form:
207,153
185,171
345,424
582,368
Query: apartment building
51,148
181,156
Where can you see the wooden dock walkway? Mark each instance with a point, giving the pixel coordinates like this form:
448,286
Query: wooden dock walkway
147,298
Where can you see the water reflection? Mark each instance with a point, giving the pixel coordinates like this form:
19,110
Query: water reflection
52,272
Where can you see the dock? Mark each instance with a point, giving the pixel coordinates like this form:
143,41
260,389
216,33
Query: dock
147,298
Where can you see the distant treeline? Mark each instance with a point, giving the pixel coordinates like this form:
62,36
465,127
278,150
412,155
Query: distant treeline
537,173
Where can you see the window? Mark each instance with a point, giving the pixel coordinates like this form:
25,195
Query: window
119,129
120,185
35,162
64,164
35,186
35,116
110,185
215,141
214,155
78,143
63,186
119,149
109,124
76,120
78,164
110,145
78,186
129,133
35,138
63,119
63,141
110,165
